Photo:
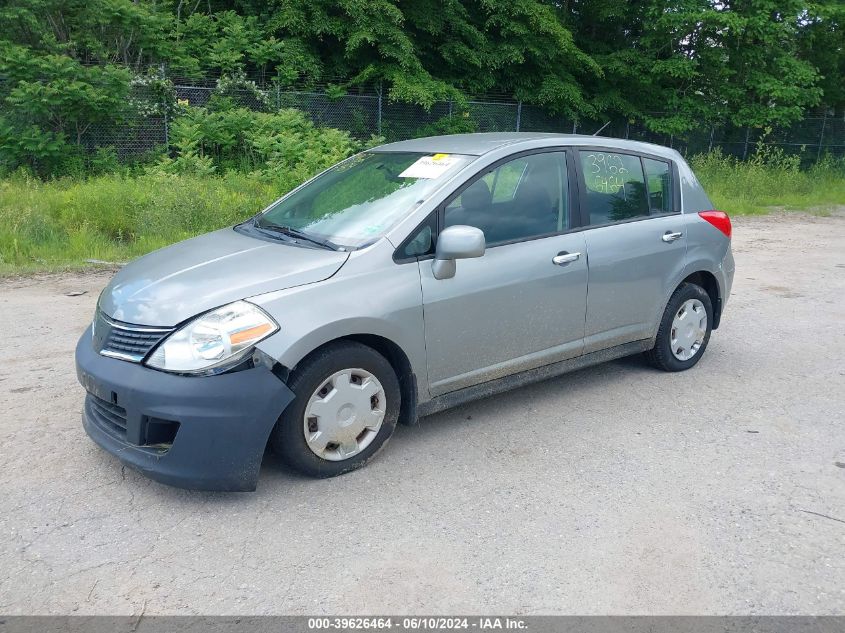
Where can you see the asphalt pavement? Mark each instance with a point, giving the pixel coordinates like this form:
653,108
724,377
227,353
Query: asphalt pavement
613,490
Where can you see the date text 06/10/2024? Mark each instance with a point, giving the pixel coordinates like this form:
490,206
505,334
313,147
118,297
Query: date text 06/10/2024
416,623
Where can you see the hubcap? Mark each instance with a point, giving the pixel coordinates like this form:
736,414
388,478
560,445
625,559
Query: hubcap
344,414
689,328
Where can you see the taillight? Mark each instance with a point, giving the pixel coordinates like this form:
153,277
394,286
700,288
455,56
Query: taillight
719,219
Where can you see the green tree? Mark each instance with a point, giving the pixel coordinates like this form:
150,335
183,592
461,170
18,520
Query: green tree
821,42
64,68
67,66
676,63
133,34
49,103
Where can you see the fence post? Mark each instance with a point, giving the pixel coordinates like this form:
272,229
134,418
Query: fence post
163,74
518,114
710,146
378,120
575,126
278,97
745,151
821,136
627,128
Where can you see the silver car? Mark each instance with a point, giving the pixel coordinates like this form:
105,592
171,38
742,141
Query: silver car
402,281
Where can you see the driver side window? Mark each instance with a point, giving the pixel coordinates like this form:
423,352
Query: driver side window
521,199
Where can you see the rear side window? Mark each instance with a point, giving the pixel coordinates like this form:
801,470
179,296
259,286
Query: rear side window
614,186
659,189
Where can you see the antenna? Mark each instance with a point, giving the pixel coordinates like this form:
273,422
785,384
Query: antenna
596,133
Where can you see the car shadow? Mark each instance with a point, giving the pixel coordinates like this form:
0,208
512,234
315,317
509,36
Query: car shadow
538,394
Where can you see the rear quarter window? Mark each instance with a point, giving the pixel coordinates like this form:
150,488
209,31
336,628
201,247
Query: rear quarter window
659,181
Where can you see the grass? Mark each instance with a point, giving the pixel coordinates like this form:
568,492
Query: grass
770,180
59,224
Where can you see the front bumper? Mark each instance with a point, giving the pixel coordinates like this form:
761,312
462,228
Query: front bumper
221,422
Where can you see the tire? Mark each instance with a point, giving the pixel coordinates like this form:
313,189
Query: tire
662,355
322,380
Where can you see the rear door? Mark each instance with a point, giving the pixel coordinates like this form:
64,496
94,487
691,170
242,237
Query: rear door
636,247
522,304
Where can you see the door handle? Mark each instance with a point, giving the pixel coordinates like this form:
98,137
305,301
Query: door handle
562,259
668,236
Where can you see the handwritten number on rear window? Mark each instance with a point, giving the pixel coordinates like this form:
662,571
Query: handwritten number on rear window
608,172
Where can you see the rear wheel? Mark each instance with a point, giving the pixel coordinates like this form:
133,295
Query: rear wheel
684,329
346,407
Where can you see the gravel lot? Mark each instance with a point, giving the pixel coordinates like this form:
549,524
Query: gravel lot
617,489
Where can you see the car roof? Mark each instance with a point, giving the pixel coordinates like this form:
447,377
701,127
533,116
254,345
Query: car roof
481,143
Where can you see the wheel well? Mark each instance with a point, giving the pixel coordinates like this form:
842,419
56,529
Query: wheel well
707,281
401,365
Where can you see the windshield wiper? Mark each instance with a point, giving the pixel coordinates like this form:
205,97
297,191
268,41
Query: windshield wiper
297,234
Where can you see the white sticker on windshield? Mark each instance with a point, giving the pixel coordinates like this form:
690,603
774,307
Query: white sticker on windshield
429,166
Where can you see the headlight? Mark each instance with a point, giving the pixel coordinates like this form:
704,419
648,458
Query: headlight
220,337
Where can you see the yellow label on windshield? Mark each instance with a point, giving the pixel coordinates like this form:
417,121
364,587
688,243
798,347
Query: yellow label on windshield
429,166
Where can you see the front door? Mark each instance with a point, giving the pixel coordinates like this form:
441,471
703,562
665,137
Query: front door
522,304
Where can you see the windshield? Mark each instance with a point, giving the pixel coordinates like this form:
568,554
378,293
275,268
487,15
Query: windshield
358,200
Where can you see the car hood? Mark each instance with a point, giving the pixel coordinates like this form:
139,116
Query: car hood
175,283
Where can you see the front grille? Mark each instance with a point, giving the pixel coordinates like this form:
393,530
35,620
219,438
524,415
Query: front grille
129,342
125,340
109,417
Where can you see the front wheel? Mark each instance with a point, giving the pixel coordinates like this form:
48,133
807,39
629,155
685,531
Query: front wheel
684,329
346,406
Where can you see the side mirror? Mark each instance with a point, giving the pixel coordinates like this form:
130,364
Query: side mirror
456,242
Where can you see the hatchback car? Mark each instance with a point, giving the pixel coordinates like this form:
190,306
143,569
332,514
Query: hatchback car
407,279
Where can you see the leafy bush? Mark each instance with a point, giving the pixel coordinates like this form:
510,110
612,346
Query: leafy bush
235,90
282,145
49,103
458,124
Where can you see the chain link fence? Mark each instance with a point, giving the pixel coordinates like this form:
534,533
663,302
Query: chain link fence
369,112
